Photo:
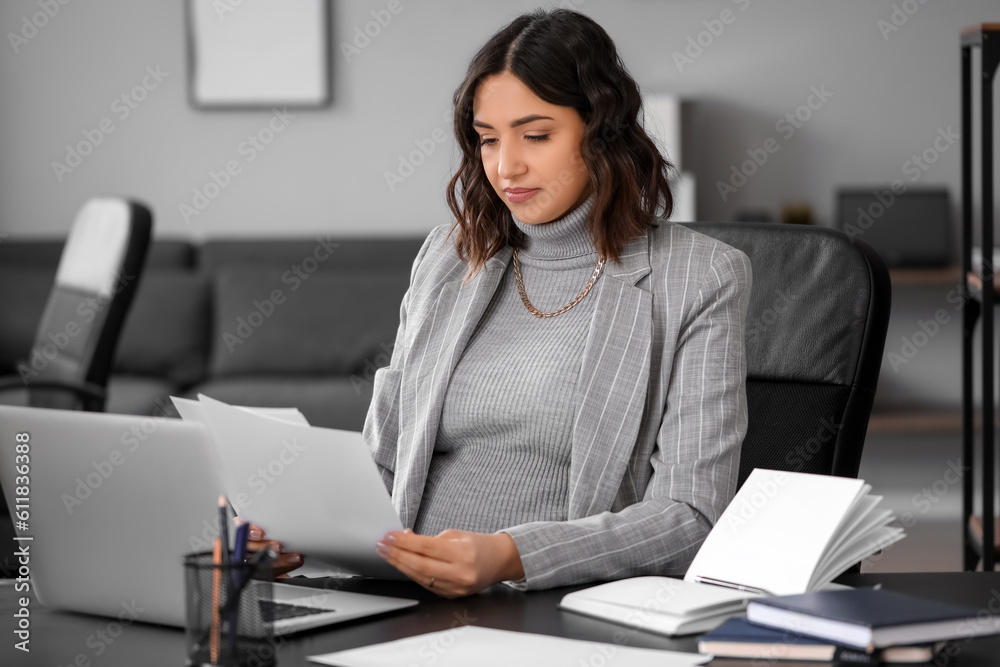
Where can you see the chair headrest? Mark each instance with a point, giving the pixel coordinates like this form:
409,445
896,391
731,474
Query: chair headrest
101,230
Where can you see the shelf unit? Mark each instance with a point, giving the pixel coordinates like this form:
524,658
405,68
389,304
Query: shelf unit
947,275
978,533
896,421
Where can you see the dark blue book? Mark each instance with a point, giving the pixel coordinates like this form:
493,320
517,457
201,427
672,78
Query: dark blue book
867,618
739,638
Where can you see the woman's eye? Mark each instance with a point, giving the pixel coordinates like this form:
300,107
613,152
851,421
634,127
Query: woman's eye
486,142
536,137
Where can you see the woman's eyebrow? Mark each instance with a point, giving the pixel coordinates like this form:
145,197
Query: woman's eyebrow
514,123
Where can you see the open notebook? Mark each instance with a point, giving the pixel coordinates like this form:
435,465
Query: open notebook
783,533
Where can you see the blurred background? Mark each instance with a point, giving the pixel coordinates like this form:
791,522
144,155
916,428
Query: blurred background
854,94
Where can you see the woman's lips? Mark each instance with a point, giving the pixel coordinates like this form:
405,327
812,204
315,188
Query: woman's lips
520,195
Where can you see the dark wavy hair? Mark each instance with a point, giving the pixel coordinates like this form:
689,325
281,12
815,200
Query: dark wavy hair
566,59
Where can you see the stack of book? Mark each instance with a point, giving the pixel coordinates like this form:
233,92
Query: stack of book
771,558
784,533
739,638
864,626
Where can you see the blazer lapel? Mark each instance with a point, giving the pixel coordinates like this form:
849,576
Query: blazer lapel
437,345
611,391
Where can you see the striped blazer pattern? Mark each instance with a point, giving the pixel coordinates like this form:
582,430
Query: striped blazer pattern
661,402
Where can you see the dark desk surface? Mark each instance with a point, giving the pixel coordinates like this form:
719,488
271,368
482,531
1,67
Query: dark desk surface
59,639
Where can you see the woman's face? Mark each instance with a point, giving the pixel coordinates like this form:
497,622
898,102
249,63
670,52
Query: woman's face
530,149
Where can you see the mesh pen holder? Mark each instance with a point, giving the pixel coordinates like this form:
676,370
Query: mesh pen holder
229,612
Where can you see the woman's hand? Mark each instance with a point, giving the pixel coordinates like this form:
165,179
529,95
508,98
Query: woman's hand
453,563
284,563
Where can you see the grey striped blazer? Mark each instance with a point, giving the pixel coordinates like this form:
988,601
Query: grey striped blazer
661,402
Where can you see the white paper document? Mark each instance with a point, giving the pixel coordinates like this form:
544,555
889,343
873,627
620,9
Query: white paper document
192,411
317,490
485,647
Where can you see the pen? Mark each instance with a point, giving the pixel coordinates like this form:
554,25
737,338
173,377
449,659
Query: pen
240,542
728,584
235,589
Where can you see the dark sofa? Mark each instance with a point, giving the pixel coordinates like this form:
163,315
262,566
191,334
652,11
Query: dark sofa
264,322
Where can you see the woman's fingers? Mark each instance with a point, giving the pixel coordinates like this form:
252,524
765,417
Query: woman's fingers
285,562
425,571
436,547
432,562
257,545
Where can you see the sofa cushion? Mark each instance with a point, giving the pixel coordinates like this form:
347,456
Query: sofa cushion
27,272
164,254
335,322
46,254
23,293
322,252
166,330
325,401
38,254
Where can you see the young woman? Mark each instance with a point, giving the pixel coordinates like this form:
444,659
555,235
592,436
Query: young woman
566,397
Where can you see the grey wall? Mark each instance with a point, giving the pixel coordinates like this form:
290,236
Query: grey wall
326,170
891,94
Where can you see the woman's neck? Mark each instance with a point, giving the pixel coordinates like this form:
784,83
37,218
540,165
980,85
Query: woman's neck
567,236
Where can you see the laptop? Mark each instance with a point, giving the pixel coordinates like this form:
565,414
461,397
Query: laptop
114,503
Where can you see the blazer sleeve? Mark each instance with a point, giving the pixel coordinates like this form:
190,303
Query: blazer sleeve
381,429
694,465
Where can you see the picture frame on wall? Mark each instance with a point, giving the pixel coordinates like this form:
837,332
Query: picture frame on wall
245,54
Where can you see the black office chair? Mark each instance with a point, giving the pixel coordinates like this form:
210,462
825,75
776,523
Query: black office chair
816,327
98,272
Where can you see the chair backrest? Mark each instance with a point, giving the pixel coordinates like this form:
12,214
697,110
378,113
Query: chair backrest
98,272
816,327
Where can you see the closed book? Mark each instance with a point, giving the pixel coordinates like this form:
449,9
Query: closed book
867,618
739,638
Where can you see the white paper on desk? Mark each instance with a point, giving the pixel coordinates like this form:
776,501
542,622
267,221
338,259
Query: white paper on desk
486,647
317,490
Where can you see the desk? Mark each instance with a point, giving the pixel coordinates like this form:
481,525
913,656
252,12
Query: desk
58,638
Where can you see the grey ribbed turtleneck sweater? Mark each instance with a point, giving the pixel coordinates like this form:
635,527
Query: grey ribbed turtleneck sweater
502,454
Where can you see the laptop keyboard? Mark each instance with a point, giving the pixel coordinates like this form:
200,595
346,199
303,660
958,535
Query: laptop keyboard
281,611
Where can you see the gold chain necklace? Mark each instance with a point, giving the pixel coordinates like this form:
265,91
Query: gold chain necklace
537,313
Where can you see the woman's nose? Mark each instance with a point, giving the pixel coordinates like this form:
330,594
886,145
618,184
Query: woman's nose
511,163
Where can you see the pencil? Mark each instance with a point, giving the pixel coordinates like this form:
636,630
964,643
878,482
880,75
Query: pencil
226,582
224,528
213,641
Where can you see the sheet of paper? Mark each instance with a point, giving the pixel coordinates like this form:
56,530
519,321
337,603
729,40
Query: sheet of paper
316,568
776,530
317,490
485,647
191,410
